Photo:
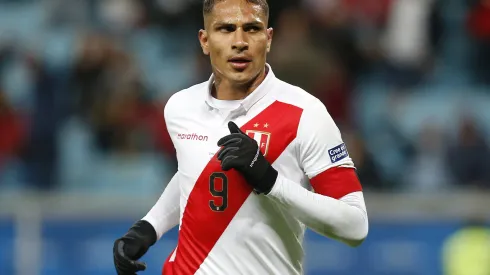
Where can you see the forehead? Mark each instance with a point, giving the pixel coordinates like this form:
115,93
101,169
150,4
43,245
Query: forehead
234,11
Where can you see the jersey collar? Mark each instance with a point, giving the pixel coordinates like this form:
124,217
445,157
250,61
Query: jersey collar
252,98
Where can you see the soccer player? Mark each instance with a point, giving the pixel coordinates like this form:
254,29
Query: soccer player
259,160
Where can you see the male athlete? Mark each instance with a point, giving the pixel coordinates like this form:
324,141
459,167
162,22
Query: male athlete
259,160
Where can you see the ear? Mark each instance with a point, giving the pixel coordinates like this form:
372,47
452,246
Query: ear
203,40
270,33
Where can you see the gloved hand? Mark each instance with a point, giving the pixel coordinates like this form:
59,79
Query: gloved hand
242,153
132,246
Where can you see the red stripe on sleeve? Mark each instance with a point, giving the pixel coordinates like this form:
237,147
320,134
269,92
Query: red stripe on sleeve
336,182
201,226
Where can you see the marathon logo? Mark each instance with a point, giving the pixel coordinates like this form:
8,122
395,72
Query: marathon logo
192,136
338,153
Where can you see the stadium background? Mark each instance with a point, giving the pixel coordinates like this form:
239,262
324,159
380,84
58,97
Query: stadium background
84,150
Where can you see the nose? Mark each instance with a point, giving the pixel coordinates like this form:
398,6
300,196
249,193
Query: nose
240,42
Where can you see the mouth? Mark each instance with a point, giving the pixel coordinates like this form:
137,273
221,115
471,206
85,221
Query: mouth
239,63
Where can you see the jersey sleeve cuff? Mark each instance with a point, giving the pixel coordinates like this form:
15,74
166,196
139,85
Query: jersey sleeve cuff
278,187
153,223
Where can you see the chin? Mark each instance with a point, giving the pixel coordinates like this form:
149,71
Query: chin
243,77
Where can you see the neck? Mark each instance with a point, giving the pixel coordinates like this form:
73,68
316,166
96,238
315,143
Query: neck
226,90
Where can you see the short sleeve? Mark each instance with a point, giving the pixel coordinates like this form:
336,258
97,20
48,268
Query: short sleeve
320,142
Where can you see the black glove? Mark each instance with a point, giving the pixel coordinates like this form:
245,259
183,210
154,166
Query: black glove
242,153
132,246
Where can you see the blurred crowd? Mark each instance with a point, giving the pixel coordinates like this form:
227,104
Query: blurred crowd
83,85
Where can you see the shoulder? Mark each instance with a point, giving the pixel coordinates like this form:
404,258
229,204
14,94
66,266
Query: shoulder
185,99
319,142
315,120
296,96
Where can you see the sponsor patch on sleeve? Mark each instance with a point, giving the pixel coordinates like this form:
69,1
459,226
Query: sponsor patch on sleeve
338,153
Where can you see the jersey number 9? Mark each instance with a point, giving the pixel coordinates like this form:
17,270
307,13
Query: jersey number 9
221,194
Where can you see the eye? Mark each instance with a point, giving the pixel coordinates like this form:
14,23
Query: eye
253,29
226,29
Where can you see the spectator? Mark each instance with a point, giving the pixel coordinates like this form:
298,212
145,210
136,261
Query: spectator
45,118
309,64
469,158
12,131
366,167
410,41
88,73
428,170
478,24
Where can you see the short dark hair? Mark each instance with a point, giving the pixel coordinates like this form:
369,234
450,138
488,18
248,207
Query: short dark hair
208,5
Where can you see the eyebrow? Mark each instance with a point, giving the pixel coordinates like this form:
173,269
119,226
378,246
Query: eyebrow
229,23
253,23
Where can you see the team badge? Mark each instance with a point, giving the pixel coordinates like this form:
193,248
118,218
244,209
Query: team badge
262,138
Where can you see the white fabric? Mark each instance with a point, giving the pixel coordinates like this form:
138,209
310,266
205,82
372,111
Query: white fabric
265,236
318,134
164,215
345,219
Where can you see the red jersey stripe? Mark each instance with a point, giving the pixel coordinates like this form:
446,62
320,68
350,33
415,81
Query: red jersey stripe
336,182
168,266
201,226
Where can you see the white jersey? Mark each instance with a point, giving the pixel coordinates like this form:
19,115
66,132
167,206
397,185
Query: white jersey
226,228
